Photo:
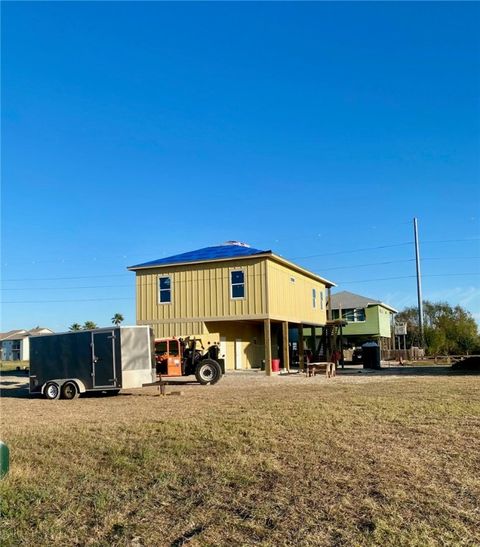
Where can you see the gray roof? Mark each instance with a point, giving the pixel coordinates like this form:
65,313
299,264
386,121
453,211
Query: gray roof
19,334
348,300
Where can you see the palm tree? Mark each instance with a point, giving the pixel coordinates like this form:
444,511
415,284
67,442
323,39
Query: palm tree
75,326
117,319
89,325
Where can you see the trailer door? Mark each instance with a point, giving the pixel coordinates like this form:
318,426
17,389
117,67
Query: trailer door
103,356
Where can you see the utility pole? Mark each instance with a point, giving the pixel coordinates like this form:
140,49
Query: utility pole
419,282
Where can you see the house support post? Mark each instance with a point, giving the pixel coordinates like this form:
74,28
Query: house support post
286,357
301,348
312,341
329,304
342,361
334,343
268,346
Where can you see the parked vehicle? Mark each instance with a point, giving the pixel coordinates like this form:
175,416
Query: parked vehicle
109,359
187,356
357,356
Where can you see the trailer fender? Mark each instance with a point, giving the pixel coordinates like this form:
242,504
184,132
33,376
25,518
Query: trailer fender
61,381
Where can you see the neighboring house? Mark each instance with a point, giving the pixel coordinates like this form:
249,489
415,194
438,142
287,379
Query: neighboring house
15,344
367,319
250,297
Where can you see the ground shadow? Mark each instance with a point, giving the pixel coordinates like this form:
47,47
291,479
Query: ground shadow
20,391
15,373
407,370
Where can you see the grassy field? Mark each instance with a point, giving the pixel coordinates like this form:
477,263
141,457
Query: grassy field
8,366
363,459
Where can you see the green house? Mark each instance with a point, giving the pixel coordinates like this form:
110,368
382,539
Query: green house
367,319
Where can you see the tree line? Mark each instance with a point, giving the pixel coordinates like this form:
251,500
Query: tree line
448,330
117,319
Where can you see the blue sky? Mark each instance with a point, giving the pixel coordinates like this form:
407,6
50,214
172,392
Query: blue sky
134,131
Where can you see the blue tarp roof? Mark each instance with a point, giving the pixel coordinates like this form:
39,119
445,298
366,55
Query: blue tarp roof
207,253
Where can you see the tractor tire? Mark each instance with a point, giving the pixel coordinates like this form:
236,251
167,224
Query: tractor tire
208,371
70,391
52,391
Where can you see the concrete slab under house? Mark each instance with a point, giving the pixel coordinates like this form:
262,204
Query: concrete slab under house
252,298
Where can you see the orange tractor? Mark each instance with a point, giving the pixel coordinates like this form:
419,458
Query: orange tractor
187,356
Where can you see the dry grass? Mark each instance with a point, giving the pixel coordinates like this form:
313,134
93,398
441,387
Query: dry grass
8,366
359,460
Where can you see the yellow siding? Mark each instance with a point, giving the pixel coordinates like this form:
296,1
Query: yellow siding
292,301
201,303
201,292
241,339
170,329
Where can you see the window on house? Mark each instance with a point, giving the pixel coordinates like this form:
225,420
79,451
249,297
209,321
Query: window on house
335,314
165,289
360,314
348,314
354,315
314,298
321,300
237,281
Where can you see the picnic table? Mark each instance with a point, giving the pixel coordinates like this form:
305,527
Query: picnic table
328,367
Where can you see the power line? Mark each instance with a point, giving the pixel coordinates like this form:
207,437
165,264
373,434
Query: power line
64,301
155,283
102,258
323,269
223,277
66,288
72,277
350,266
450,240
407,277
354,250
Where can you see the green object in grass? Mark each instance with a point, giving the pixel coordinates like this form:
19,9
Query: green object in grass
4,459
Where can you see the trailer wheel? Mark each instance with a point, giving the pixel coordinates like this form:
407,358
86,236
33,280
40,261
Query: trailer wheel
70,391
52,391
208,372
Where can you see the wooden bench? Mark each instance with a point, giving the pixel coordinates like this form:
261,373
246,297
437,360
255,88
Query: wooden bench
311,369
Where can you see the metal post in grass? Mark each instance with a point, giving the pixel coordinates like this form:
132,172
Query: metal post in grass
4,459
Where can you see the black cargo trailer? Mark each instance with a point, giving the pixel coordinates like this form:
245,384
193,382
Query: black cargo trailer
108,359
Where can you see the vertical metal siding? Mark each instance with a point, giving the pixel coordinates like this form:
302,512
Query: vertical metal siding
201,290
293,300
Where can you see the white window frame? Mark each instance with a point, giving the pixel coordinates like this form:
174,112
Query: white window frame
322,298
355,320
314,297
232,271
160,290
